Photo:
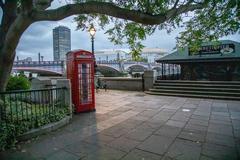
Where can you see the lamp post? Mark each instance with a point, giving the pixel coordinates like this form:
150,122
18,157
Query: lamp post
92,32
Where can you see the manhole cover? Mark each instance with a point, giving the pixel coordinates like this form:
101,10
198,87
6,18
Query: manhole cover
186,110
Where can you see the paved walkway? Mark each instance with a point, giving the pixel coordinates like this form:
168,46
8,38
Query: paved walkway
136,126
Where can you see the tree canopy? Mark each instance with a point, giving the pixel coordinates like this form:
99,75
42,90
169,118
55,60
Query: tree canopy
131,21
202,20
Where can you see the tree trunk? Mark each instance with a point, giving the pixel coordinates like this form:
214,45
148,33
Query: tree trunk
5,70
7,52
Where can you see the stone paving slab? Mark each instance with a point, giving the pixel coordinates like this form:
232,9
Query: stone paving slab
184,150
136,126
139,134
62,155
156,144
192,136
220,139
137,154
99,139
168,131
123,144
219,152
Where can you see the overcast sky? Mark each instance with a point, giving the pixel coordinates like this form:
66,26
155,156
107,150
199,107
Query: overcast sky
38,38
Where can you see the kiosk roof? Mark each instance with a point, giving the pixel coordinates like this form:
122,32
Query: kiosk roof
224,50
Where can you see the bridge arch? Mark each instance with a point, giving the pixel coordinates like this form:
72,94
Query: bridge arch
40,71
107,70
136,68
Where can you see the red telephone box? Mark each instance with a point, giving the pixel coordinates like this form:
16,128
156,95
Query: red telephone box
80,71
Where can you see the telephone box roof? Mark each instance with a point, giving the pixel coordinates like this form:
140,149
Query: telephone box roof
224,50
80,54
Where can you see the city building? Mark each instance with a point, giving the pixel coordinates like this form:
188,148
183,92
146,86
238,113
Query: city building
111,55
213,61
150,54
28,59
61,42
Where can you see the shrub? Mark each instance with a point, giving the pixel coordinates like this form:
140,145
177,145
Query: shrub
7,136
13,126
19,82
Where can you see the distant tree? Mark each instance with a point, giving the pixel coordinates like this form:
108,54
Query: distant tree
19,82
133,21
220,18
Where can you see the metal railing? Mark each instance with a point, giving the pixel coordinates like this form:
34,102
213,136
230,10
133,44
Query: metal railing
169,72
38,63
32,108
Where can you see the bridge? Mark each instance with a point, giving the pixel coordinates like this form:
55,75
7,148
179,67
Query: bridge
40,67
59,67
126,66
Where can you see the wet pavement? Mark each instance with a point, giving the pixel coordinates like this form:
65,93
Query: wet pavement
137,126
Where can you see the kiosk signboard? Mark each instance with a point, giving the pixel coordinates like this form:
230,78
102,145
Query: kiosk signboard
214,49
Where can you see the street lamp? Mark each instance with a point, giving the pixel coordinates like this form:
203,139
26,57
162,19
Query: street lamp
92,32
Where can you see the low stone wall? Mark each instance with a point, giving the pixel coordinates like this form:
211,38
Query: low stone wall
44,129
123,83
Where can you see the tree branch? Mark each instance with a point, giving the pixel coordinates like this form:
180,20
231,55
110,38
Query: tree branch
176,3
1,4
111,10
184,9
8,17
42,4
27,5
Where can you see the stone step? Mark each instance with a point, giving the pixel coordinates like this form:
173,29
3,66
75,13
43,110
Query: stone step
201,89
209,85
198,82
196,92
207,88
193,95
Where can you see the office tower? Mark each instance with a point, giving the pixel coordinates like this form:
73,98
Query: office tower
61,42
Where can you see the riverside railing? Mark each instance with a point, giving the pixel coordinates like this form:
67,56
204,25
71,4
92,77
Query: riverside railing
169,72
32,108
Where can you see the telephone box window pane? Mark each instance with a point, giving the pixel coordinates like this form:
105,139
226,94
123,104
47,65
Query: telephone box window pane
85,84
84,76
80,81
89,82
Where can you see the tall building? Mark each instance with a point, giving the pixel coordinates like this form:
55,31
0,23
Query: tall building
61,42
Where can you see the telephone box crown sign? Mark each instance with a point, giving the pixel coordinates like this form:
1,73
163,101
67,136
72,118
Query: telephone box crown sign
79,54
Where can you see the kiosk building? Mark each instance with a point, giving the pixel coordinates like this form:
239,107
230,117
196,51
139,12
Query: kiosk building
214,61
